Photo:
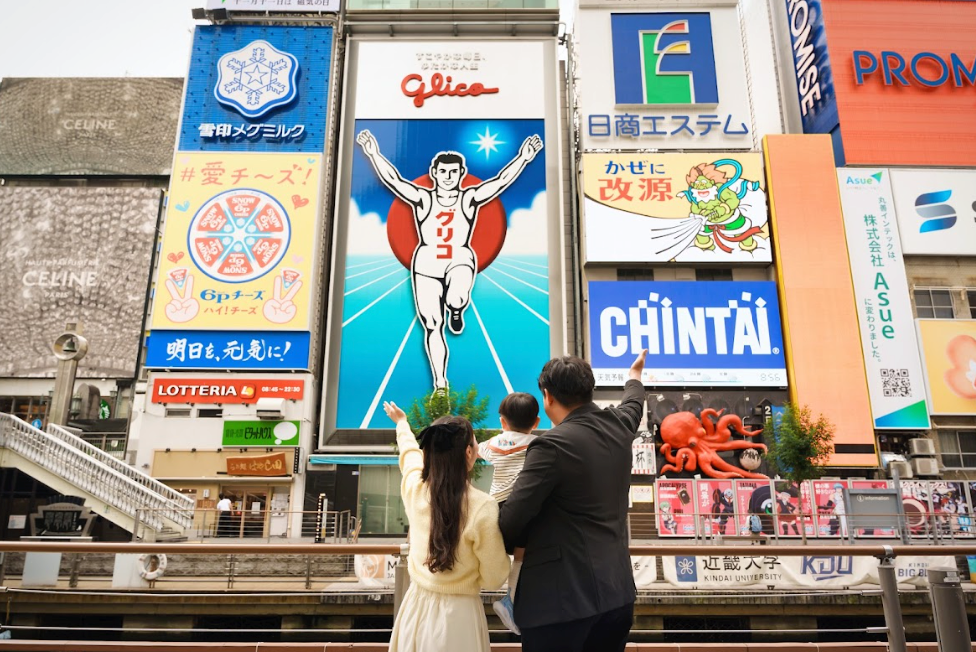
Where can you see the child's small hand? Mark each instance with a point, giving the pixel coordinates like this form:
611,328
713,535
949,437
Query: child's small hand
396,414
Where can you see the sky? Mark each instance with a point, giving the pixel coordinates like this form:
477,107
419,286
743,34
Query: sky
95,38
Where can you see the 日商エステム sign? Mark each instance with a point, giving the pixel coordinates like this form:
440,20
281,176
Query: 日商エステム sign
664,79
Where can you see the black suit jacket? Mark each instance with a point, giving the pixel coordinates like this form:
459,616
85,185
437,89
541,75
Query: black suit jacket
568,509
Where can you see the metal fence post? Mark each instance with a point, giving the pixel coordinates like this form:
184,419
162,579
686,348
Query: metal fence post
891,604
135,525
949,610
401,579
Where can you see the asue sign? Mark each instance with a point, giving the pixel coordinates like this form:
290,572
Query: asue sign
895,380
707,333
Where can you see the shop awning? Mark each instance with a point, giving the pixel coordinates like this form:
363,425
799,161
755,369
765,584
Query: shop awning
361,460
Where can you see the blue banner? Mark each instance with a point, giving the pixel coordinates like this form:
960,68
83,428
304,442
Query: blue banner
237,351
475,311
710,333
814,77
257,89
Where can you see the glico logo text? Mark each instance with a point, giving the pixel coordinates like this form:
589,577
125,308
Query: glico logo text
415,87
925,68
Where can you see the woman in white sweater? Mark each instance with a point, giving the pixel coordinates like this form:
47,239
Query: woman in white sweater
456,548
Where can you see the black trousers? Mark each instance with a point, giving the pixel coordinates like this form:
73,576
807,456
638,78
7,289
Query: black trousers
606,632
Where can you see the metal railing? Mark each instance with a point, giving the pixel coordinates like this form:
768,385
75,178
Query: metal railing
85,467
937,527
179,501
267,524
311,554
111,443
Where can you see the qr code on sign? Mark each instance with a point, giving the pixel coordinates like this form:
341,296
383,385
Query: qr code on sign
896,383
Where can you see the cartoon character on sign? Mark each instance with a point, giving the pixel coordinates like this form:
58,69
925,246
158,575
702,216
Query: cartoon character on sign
444,264
723,509
723,209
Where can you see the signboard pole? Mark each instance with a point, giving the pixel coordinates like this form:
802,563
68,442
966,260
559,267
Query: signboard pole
891,605
948,610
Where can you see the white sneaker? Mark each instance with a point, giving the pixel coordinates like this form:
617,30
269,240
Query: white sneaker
504,609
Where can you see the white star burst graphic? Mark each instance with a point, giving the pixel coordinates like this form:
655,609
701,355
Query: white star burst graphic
487,142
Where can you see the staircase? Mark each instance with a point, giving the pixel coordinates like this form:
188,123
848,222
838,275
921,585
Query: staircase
110,487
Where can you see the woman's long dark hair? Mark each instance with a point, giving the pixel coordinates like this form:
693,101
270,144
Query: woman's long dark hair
446,474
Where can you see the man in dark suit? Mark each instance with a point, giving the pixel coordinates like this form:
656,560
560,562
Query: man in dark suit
568,509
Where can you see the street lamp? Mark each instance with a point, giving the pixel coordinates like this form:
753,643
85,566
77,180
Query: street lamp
69,348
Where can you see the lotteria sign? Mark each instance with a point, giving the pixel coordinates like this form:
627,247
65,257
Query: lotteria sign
218,390
707,333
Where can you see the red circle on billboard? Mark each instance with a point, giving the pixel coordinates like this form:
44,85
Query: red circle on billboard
486,241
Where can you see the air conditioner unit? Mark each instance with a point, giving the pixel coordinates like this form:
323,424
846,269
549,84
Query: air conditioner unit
925,466
904,469
921,447
270,408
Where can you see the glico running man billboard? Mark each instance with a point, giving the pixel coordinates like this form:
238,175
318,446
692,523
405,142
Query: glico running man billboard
443,239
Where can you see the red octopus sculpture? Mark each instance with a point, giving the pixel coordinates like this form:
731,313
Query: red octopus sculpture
696,442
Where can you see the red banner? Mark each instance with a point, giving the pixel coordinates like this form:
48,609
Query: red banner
224,390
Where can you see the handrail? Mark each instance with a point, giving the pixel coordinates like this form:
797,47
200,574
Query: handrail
50,451
182,501
391,549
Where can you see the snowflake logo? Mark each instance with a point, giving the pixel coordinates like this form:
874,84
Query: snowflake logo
686,567
256,79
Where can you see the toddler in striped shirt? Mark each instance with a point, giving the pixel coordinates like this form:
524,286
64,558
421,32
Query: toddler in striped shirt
519,416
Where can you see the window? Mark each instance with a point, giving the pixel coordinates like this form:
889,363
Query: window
958,449
971,297
181,413
713,274
933,303
210,413
635,274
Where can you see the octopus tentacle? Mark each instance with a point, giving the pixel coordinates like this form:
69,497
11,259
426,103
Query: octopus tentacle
707,423
719,466
684,459
706,465
735,420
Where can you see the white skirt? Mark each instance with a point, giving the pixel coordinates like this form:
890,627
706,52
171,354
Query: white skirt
434,622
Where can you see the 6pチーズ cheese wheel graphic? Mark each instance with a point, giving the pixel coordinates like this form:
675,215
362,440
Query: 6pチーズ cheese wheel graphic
239,235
